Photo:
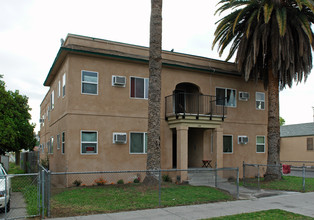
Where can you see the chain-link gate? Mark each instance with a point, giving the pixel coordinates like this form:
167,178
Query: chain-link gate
21,197
24,195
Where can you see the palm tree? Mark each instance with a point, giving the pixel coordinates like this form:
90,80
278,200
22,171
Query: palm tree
155,65
273,41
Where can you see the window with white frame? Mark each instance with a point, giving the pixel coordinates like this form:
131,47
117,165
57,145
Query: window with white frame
260,100
52,99
227,144
48,112
58,141
309,144
42,120
89,142
50,146
89,82
63,143
63,84
260,144
138,142
59,88
139,87
226,97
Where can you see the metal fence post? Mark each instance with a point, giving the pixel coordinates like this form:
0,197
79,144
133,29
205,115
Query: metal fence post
243,173
38,190
159,186
238,183
303,176
5,196
216,175
43,193
48,194
259,187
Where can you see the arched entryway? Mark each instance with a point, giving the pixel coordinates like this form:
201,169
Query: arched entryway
187,88
187,102
186,98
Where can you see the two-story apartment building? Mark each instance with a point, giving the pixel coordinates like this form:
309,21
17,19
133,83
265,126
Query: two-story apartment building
94,116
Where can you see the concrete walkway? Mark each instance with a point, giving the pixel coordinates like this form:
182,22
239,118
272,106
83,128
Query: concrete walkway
208,179
301,203
18,207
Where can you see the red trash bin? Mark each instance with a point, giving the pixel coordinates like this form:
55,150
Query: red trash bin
286,169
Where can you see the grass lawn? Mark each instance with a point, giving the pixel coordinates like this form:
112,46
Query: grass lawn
288,183
14,169
269,214
112,198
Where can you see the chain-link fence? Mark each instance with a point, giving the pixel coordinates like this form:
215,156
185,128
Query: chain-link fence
297,163
295,178
19,196
81,193
44,190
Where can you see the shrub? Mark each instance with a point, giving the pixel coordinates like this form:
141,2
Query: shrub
136,180
166,178
45,162
100,182
77,182
120,181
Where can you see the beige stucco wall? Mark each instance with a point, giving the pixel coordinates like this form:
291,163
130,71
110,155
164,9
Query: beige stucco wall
112,110
295,149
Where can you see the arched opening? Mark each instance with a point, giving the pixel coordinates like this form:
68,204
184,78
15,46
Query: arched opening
187,88
186,98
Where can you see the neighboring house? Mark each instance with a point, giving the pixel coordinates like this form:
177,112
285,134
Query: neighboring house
94,116
296,142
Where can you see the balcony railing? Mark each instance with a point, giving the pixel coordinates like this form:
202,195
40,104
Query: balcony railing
182,104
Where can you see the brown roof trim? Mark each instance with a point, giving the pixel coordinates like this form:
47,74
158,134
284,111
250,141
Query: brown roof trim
77,49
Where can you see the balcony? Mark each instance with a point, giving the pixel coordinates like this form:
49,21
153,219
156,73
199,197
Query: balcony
194,106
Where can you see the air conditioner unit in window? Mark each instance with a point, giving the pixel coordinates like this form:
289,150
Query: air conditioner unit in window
244,96
118,81
243,139
119,138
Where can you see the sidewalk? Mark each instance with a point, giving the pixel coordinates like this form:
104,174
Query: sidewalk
301,203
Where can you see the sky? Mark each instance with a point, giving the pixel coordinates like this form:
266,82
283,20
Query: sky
30,33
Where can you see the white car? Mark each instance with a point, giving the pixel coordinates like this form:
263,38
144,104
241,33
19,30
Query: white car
5,195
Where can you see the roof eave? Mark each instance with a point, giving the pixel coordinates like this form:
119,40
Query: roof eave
53,68
63,51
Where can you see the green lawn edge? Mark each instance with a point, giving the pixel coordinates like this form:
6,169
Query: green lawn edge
287,183
272,214
114,198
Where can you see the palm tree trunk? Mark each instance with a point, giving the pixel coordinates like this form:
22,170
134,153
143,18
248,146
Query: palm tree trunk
155,65
273,129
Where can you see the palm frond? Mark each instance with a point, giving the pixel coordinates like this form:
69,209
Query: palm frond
268,35
281,15
299,3
230,4
249,23
305,25
268,9
236,20
307,3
